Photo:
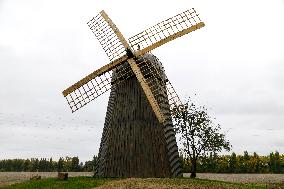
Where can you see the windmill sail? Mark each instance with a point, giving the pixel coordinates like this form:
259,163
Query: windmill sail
166,31
115,45
99,82
107,37
94,85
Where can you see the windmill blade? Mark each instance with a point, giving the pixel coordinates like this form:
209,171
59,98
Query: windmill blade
82,94
99,82
96,73
149,86
96,84
165,31
135,68
159,82
106,33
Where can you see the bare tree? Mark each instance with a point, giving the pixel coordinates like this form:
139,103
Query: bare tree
198,133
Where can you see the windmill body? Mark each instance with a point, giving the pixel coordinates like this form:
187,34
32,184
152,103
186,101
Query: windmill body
134,143
138,137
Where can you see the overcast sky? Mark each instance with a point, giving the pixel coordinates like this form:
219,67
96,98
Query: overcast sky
234,65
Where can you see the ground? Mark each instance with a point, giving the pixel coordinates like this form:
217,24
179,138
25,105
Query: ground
242,178
8,178
167,183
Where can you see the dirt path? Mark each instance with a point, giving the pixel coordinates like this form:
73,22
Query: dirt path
160,183
242,178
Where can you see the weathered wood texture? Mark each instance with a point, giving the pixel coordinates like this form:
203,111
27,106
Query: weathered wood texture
134,143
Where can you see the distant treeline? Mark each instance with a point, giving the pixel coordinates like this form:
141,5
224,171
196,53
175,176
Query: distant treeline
47,165
273,163
246,163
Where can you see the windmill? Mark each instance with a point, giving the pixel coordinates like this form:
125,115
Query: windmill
138,139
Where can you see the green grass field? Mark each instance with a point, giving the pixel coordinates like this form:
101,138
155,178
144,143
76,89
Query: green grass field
53,183
135,183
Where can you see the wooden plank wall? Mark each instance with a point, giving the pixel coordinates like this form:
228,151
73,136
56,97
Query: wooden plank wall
134,143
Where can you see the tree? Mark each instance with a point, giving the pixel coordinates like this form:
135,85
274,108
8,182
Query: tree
88,166
198,134
60,164
255,163
51,165
94,162
81,167
75,164
233,162
277,162
244,163
35,164
67,164
27,165
274,162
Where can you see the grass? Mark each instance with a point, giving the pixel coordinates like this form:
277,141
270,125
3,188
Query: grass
130,183
53,183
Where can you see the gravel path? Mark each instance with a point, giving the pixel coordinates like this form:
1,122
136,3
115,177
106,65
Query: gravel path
242,178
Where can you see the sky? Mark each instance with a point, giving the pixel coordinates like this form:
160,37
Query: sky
234,66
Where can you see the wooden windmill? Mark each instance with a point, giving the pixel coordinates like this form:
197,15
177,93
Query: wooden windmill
138,138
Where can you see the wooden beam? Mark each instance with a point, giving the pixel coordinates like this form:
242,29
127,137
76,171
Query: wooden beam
115,29
154,104
94,74
170,38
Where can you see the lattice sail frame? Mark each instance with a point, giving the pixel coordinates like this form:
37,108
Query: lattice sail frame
96,87
107,37
158,83
172,27
100,81
101,84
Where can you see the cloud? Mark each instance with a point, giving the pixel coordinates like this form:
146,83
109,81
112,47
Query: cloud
235,67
